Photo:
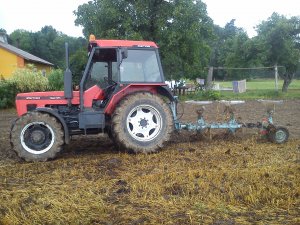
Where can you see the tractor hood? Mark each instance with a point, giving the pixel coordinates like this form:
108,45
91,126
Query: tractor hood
32,100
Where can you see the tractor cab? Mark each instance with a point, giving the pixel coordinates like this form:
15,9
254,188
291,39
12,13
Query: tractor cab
114,65
124,61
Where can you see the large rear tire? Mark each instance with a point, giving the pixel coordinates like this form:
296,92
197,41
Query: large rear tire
142,122
37,137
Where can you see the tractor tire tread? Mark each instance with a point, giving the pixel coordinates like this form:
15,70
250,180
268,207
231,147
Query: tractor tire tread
19,124
118,127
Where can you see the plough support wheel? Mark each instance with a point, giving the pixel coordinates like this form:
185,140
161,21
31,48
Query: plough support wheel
278,135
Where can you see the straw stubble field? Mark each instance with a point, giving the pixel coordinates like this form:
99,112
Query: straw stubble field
226,180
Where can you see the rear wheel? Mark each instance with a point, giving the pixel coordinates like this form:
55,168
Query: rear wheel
142,122
37,137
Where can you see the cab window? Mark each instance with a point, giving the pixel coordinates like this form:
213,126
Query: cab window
99,71
140,66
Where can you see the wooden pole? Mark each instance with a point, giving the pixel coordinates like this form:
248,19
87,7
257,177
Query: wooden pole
209,77
276,77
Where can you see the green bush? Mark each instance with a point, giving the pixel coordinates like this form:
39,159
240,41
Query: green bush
56,80
8,91
208,95
28,79
212,95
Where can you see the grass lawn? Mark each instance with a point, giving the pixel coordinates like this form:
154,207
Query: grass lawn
261,94
259,84
256,89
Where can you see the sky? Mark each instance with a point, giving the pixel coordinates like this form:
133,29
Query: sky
249,13
32,15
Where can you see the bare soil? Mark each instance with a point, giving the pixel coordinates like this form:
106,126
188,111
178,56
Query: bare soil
241,179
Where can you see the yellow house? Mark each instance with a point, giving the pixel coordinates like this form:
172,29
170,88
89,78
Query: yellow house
12,58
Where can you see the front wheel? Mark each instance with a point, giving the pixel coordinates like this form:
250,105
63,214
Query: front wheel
142,122
37,136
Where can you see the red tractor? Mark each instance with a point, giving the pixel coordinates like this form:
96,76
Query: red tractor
122,93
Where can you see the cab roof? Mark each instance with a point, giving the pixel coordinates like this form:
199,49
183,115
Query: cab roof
123,43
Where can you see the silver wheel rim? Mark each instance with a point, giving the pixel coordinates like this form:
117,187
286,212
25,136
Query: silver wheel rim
144,123
24,143
280,136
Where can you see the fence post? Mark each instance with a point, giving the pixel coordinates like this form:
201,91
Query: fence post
209,77
276,77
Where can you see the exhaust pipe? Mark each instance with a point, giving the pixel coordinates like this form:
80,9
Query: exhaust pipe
68,90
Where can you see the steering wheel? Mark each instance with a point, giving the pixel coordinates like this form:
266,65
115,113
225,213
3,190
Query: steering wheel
109,82
110,86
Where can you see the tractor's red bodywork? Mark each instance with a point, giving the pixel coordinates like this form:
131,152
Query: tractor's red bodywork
123,43
44,99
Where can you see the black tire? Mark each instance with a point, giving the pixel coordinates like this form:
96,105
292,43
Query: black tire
37,136
109,134
142,122
279,135
113,139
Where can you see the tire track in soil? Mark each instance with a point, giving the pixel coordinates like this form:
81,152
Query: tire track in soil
7,116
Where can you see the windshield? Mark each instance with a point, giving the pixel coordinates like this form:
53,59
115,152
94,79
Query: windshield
140,66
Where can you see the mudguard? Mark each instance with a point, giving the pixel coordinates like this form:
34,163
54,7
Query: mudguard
60,119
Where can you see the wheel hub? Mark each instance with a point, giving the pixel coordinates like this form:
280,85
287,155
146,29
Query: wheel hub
37,137
280,135
144,123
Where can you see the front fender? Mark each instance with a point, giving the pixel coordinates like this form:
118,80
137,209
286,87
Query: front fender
59,118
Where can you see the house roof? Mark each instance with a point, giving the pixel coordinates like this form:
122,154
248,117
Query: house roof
24,54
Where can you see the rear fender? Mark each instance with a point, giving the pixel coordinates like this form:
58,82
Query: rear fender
60,119
165,91
159,88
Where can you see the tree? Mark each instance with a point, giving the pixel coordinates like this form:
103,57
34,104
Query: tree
23,39
48,44
279,37
3,35
232,48
180,27
78,61
185,40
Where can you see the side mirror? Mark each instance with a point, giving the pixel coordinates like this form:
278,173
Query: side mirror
124,53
